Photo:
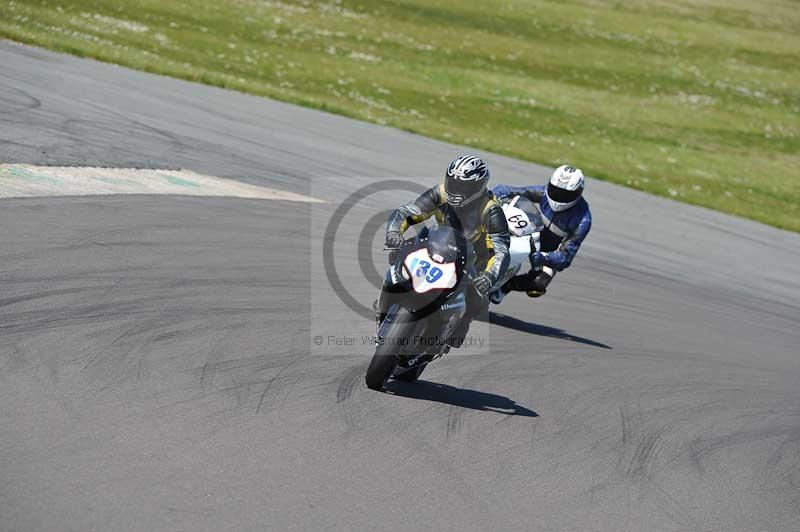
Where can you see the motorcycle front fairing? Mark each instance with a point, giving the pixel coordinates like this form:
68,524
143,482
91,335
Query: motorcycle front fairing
428,278
437,314
426,270
525,225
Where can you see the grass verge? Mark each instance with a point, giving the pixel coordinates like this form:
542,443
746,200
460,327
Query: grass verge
698,101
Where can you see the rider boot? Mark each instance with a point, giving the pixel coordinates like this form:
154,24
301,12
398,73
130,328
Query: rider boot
533,283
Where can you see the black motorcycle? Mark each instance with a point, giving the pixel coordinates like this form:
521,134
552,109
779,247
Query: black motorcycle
425,288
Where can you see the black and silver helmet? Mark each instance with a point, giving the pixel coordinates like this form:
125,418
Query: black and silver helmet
465,180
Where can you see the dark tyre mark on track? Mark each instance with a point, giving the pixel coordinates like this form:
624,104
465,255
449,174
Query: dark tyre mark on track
14,100
349,381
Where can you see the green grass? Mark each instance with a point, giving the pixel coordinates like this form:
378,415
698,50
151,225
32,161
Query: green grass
695,100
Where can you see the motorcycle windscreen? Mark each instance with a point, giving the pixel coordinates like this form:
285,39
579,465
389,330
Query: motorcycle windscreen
426,274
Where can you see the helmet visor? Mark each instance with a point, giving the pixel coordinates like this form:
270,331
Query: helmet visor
561,195
462,191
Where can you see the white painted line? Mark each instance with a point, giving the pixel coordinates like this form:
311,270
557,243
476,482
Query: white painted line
24,180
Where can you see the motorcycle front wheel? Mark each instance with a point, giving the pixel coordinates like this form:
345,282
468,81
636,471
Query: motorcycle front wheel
397,337
412,374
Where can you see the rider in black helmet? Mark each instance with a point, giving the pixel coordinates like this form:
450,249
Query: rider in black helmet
464,203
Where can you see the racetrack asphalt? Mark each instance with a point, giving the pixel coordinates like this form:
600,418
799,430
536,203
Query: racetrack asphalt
157,369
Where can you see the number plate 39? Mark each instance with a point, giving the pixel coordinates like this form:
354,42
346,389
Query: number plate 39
427,274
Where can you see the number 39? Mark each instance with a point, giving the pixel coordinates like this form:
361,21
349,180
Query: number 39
431,274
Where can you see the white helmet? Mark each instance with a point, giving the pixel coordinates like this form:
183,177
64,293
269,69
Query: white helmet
565,188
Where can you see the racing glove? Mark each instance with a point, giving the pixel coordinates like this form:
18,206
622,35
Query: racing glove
393,239
482,285
537,260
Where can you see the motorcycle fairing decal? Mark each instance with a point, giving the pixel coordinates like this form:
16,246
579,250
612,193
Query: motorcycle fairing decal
518,222
450,306
427,275
454,302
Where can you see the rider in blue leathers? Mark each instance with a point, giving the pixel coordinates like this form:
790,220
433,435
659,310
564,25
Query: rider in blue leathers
567,221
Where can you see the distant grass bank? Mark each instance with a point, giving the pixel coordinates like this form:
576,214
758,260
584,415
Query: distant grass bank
699,101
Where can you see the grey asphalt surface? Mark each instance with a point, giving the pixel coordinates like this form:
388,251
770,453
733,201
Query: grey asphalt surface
157,370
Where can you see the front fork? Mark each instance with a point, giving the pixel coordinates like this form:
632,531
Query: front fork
382,304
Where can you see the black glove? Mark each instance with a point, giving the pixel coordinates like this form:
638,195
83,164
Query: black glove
482,285
393,239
